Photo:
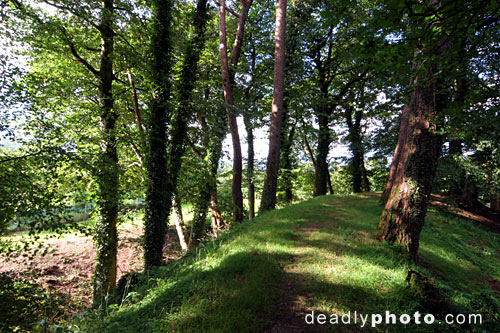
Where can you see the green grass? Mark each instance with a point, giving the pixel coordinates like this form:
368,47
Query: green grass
321,253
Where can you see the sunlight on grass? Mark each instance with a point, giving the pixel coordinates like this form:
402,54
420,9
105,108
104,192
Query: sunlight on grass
326,248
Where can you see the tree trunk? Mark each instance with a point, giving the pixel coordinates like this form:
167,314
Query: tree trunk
248,117
271,181
227,82
135,102
397,162
286,164
179,222
356,145
329,182
366,181
215,152
158,199
106,238
459,178
200,210
163,184
250,168
310,151
403,217
322,172
206,198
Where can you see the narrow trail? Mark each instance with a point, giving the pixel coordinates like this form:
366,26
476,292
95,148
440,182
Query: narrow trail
294,300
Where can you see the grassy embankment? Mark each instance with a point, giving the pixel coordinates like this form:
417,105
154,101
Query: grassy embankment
319,255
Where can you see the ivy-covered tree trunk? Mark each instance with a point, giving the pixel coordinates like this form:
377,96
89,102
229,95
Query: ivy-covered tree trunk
106,238
206,198
268,200
403,217
164,171
158,200
201,205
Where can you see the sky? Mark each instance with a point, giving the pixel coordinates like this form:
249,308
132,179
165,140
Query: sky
261,144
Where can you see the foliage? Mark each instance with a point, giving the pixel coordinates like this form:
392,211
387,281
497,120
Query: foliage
26,307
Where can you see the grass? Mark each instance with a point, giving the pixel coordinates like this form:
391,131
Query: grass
321,254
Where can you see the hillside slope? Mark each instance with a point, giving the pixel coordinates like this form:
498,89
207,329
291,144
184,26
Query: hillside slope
320,255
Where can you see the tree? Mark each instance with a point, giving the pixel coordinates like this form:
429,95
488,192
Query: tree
403,217
227,74
106,234
158,201
271,181
164,169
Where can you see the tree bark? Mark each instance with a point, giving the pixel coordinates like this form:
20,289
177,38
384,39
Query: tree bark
366,181
179,222
356,146
248,117
106,239
397,162
135,102
322,172
227,82
403,217
271,181
250,167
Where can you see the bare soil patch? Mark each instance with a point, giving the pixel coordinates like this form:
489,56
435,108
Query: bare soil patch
68,265
484,216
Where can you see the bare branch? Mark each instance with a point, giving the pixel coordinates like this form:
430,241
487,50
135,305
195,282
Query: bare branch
232,12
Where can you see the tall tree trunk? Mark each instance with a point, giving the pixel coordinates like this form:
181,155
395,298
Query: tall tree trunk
313,160
227,82
403,217
158,200
356,144
156,215
273,159
250,167
248,117
322,172
206,198
215,152
106,238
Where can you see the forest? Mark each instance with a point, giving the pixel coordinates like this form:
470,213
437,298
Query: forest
249,166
